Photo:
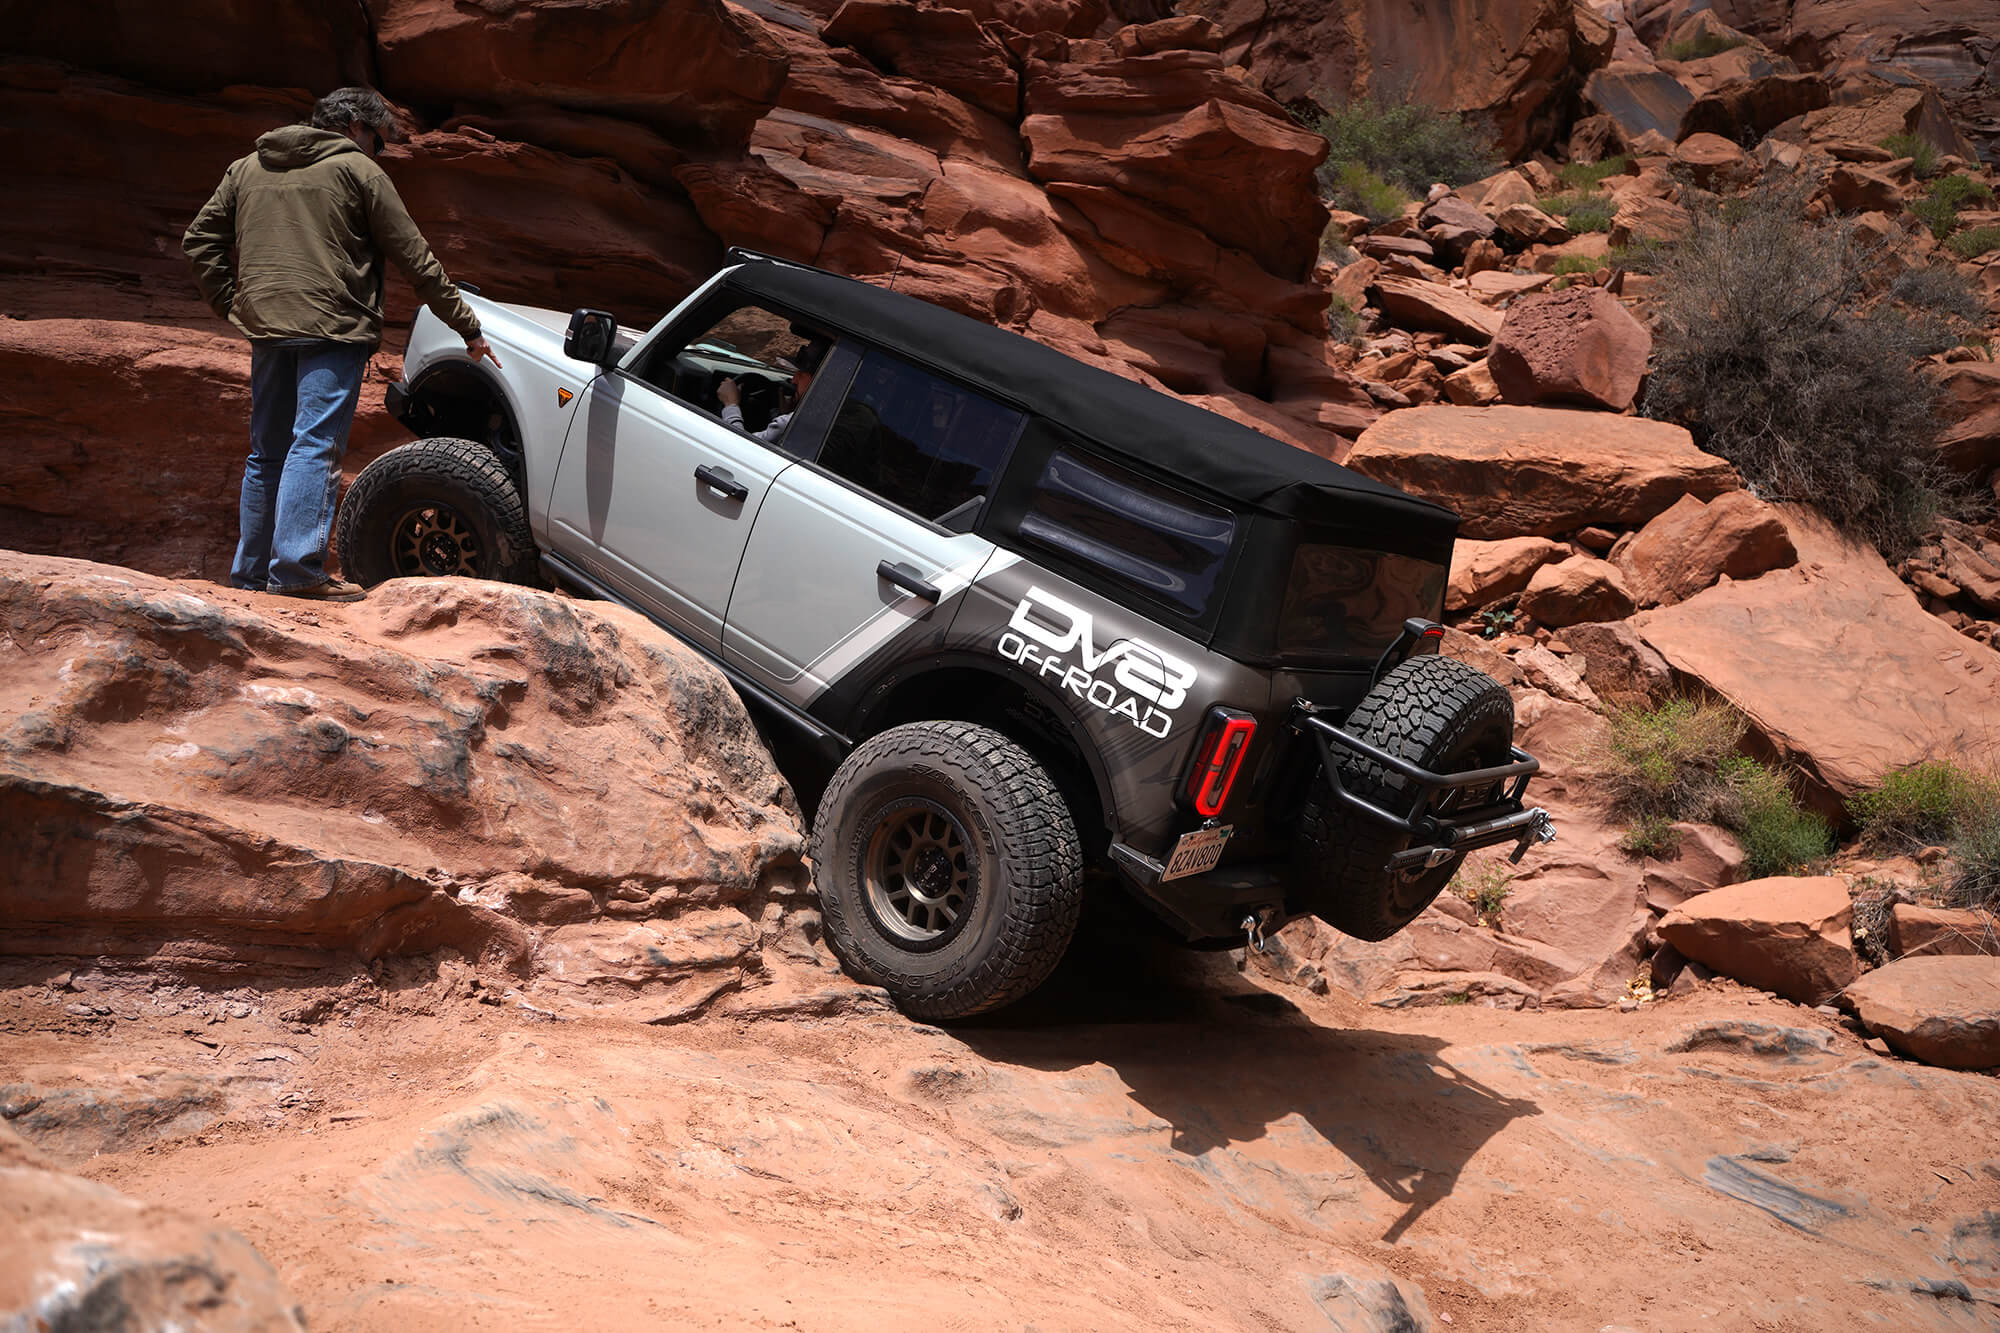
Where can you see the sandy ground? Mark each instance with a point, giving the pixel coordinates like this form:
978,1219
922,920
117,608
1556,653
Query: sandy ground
1157,1142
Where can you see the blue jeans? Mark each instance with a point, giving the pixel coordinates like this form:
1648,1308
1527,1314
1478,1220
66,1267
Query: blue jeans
302,400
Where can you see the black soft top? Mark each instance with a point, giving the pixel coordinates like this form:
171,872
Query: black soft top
1117,416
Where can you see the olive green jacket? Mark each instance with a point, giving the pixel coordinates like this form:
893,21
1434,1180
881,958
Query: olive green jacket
310,218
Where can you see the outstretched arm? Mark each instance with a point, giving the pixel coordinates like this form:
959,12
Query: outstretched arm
399,238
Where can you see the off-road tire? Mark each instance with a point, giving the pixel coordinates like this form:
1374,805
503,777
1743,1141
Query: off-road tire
1024,867
460,484
1439,714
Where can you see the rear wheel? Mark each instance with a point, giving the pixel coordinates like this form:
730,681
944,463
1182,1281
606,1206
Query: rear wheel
1436,712
432,508
948,867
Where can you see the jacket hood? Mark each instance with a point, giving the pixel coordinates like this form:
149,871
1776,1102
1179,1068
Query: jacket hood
300,146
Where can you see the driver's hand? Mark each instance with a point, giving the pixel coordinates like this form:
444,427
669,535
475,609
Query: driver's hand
478,347
727,393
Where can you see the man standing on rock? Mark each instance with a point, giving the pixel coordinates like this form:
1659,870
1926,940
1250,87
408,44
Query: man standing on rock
310,217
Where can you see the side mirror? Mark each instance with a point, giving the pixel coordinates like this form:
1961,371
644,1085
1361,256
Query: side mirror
592,336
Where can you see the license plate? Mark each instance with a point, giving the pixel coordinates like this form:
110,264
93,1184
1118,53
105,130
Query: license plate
1197,852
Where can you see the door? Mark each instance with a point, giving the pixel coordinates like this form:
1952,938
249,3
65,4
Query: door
660,481
863,550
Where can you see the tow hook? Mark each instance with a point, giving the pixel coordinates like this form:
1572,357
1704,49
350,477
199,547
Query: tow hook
1254,937
1540,829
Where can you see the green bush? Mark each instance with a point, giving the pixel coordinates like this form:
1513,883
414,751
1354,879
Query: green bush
1703,45
1405,144
1356,189
1584,176
1779,835
1920,806
1974,243
1975,855
1569,265
1938,209
1649,835
1343,321
1579,210
1923,154
1667,761
1770,348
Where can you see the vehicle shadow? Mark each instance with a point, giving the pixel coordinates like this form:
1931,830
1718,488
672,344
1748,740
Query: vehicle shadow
1224,1062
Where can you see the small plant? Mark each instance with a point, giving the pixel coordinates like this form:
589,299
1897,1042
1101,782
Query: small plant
1579,211
1938,209
1497,620
1974,243
1778,834
1356,189
1484,883
1569,265
1343,321
1975,852
1404,144
1649,835
1703,44
1585,176
1923,154
1920,806
1667,761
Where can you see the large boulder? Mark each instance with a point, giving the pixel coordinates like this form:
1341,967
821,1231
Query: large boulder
1839,669
81,1255
1940,1010
1483,572
1580,589
1619,666
1693,544
1970,406
202,780
1784,934
1638,98
1538,471
203,46
1942,930
1413,303
1578,345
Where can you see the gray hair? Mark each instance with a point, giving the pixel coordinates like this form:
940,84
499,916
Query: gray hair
343,106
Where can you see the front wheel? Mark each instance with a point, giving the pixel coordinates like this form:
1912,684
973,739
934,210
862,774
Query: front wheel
949,869
433,508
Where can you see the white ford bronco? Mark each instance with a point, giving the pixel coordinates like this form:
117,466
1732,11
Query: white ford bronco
1036,618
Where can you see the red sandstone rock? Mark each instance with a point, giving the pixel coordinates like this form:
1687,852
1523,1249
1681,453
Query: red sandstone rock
1525,225
1942,1011
1641,218
82,1255
1638,98
1538,471
1579,345
1619,667
1713,161
1483,572
1970,440
1579,589
1473,386
1839,669
1783,934
1942,930
1755,106
943,47
1858,189
1907,110
1703,858
1693,544
1415,304
198,46
287,779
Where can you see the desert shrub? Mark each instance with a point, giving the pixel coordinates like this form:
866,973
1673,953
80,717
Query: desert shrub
1584,176
1483,882
1343,321
1580,211
1938,209
1974,243
1920,806
1923,154
1570,265
1649,835
1940,289
1703,45
1770,348
1975,856
1778,834
1667,761
1356,189
1404,144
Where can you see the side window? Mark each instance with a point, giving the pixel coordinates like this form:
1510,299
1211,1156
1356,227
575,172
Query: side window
761,351
1167,543
917,441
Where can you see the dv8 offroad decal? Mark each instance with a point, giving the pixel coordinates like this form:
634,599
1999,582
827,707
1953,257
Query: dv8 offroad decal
1145,687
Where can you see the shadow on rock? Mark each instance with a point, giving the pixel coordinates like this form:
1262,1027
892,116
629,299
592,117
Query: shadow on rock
1225,1063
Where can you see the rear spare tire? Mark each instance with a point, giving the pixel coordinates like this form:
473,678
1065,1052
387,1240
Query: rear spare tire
948,867
1435,712
435,507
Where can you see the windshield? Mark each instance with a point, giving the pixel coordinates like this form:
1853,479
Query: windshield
1344,602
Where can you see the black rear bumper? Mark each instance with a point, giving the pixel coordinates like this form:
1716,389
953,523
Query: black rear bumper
397,400
1438,829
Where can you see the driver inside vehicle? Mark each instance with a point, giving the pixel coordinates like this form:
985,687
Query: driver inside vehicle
803,364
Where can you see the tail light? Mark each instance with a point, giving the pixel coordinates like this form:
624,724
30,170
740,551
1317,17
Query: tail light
1218,758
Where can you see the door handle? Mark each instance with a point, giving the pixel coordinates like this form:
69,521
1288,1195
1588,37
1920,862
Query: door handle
719,479
911,582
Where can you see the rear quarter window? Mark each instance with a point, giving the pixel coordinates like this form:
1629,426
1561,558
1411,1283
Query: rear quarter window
1345,602
1166,544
